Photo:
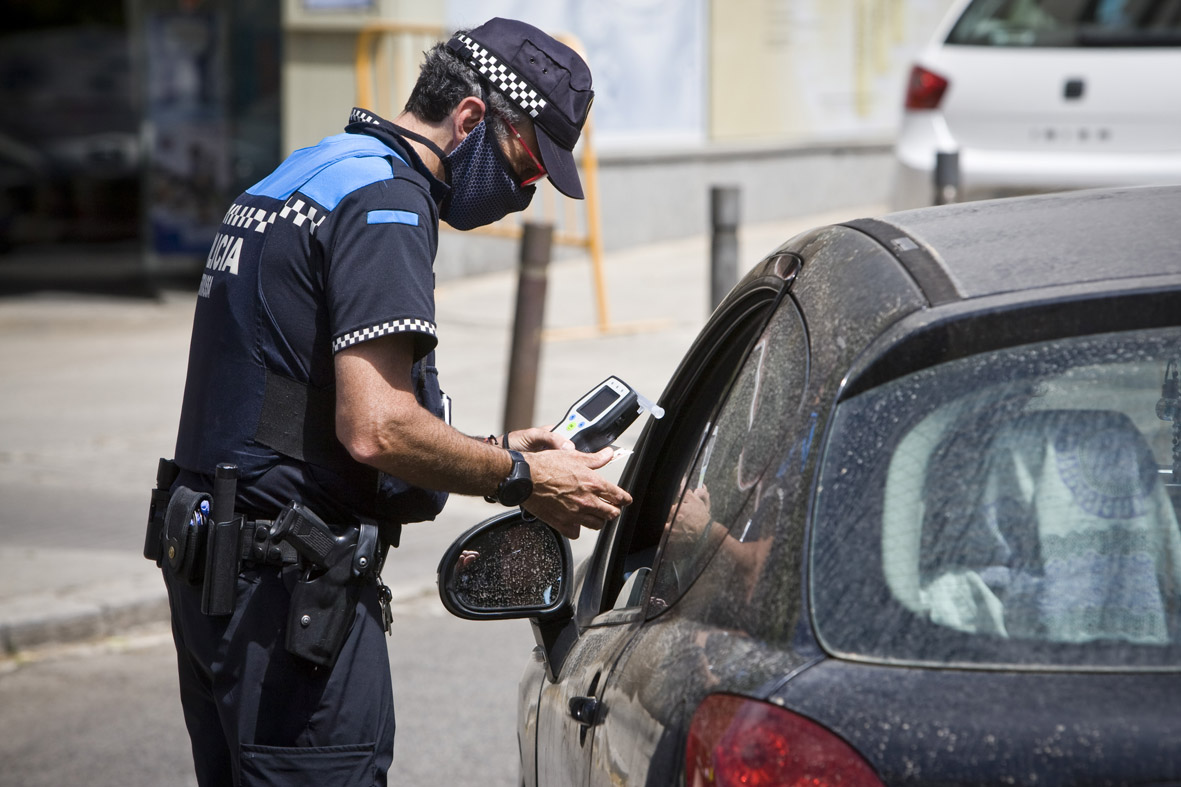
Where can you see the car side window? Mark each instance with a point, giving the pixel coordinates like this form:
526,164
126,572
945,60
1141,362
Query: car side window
735,448
668,447
1021,505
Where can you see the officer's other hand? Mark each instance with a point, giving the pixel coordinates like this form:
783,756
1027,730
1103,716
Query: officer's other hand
538,438
568,494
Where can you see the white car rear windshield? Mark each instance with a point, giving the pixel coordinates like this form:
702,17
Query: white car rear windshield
1069,23
1014,508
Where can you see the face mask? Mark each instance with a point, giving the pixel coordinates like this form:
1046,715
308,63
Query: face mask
483,186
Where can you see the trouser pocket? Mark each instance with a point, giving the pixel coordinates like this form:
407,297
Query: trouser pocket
308,766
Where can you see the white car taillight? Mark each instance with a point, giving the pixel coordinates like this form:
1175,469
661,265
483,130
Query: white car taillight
924,89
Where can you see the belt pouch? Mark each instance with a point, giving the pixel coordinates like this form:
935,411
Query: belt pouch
166,473
222,555
184,534
321,613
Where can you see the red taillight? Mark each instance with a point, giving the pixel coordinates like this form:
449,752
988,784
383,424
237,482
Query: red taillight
925,89
743,742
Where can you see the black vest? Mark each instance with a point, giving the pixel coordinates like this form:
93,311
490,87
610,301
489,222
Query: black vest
260,389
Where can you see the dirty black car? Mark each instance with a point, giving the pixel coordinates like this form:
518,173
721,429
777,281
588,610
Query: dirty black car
911,517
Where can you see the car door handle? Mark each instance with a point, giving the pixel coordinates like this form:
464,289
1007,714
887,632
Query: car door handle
585,711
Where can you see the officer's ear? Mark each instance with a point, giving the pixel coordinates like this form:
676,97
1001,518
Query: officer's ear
466,116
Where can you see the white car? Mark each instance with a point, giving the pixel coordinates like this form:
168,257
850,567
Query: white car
1043,95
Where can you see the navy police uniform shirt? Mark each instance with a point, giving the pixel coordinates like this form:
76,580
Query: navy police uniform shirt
333,248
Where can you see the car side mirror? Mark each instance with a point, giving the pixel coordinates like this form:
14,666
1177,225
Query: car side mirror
507,567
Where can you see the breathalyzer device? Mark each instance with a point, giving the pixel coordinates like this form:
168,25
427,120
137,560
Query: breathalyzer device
603,414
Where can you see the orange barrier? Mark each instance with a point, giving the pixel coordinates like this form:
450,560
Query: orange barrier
387,62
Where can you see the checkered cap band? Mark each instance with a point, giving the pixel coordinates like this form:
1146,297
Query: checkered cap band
361,116
384,329
505,80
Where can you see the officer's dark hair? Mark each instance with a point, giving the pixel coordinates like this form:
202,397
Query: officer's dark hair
444,80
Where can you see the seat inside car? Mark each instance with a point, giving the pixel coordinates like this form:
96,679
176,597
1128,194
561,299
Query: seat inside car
1047,524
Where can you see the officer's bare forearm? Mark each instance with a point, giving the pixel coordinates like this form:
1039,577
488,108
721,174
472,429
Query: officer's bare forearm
412,444
380,422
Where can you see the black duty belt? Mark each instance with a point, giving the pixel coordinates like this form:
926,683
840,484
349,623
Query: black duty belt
181,534
255,545
201,540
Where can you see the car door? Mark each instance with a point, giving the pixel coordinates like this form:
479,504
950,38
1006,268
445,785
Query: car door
728,499
608,610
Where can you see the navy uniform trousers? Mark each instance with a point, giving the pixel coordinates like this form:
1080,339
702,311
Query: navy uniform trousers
257,715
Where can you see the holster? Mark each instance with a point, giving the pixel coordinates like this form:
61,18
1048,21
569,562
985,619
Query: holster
222,564
320,615
323,606
222,553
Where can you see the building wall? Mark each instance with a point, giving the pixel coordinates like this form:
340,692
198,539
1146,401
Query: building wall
319,82
812,69
794,101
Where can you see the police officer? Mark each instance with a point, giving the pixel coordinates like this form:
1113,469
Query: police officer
311,369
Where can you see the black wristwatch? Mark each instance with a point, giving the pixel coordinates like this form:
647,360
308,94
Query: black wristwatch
515,489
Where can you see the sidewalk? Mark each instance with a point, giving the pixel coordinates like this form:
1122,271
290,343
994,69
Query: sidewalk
92,389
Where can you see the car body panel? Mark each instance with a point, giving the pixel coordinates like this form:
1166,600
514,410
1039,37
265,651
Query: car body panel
1025,119
1059,728
563,743
646,694
994,251
1017,101
563,746
667,613
995,173
658,683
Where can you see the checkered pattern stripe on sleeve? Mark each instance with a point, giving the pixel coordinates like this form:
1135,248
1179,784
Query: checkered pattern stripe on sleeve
384,329
505,80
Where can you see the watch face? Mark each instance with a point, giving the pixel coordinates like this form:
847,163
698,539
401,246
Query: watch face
515,491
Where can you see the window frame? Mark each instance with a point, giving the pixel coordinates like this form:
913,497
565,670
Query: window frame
791,345
1009,654
692,397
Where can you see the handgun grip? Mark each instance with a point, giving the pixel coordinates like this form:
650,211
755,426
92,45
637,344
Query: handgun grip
310,535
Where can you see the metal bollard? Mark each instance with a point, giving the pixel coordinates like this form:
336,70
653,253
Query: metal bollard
724,210
525,354
947,177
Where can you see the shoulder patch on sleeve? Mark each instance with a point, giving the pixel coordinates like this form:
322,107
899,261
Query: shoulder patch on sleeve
392,217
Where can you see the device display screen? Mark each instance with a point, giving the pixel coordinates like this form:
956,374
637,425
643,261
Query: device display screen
598,403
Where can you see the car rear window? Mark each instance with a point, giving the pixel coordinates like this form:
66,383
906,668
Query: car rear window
1015,508
1069,23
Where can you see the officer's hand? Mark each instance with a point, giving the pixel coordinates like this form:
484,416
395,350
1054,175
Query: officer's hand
568,494
538,438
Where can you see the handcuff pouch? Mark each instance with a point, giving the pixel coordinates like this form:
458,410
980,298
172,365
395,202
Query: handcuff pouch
185,525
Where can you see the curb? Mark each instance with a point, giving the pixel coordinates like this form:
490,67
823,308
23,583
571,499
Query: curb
42,620
37,621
